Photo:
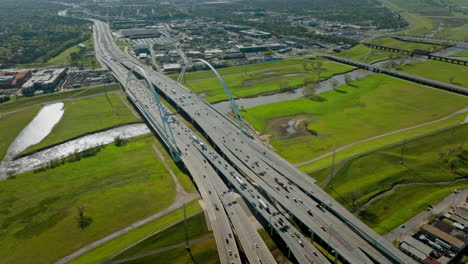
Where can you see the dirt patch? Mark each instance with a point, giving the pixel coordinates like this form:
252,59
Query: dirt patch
290,127
203,95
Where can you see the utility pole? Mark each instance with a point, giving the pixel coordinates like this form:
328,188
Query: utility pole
402,150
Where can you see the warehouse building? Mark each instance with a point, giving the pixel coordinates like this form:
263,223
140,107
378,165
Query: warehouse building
141,33
256,33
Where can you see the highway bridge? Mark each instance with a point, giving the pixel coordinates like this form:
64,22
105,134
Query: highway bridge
233,163
409,77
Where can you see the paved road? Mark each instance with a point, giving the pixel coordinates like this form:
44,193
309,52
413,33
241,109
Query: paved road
412,225
464,110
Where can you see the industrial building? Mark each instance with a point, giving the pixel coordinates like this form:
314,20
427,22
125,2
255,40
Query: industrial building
80,78
235,28
256,33
445,235
13,79
140,33
44,79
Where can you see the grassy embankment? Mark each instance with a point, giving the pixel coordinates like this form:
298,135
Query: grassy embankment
118,186
463,53
23,102
380,142
11,125
115,245
368,107
440,71
259,78
196,228
438,157
204,252
405,45
87,115
365,54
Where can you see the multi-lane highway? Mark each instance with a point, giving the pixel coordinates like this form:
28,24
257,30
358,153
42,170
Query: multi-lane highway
274,189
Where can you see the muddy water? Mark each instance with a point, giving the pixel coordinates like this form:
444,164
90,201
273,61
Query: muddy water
63,150
36,130
323,86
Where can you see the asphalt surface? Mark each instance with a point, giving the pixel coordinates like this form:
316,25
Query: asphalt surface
253,171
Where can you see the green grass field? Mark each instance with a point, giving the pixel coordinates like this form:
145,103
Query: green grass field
381,142
249,80
429,159
365,54
204,252
117,187
380,170
440,71
23,102
11,125
462,53
87,115
115,245
370,106
404,45
395,209
196,226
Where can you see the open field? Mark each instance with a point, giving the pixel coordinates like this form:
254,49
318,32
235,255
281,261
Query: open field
390,211
87,115
368,107
23,102
440,71
380,142
11,126
115,245
203,252
249,80
404,45
365,54
116,187
428,160
453,33
196,226
377,171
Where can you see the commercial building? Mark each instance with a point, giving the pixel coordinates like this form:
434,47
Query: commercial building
140,33
14,79
141,48
173,67
256,33
44,79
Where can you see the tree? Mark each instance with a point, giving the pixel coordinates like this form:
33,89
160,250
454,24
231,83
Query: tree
310,84
83,221
354,197
334,83
348,79
283,84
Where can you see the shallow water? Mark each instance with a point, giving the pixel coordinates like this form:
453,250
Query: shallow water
61,151
36,130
